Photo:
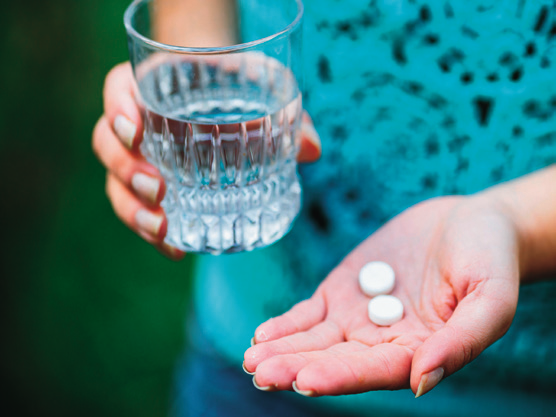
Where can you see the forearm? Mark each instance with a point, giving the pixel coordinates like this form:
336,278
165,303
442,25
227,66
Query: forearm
531,203
196,23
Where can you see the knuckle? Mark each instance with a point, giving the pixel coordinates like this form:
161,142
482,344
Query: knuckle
123,166
113,197
109,81
118,162
114,76
112,157
110,194
122,67
97,136
108,188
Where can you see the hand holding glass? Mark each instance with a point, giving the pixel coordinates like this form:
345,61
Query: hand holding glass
222,124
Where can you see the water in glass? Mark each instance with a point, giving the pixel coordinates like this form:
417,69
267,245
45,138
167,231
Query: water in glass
225,137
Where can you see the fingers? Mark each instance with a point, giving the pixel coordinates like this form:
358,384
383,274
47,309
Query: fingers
320,337
134,187
481,318
348,368
310,149
151,224
382,367
280,371
134,172
300,317
120,107
125,119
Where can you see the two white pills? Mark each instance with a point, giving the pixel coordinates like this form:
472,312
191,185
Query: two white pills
377,279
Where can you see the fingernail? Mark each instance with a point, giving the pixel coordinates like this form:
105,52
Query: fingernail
245,369
429,381
146,186
306,393
267,388
253,343
125,129
311,133
148,222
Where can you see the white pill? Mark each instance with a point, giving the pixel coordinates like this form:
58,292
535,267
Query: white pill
376,278
385,310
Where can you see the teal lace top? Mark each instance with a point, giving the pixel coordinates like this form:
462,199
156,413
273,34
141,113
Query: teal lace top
412,100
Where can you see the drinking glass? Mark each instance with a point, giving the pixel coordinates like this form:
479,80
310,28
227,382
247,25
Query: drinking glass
221,100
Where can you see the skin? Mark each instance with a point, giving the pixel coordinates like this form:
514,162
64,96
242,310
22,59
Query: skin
123,162
447,284
210,23
196,23
459,262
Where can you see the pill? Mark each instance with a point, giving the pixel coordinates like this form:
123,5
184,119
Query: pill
376,278
385,310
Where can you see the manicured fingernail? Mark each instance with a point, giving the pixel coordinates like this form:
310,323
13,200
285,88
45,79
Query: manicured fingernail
148,222
125,129
246,371
310,132
267,388
253,343
429,381
306,393
147,187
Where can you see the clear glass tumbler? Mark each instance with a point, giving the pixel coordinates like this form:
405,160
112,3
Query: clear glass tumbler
219,84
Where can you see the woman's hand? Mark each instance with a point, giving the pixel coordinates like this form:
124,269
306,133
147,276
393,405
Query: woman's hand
457,274
134,187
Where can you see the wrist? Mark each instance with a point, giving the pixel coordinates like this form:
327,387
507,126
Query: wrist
503,200
529,203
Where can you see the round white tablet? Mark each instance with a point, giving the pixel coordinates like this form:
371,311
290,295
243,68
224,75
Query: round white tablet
385,310
376,278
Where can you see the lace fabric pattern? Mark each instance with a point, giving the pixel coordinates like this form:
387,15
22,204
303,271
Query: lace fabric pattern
419,99
429,98
412,100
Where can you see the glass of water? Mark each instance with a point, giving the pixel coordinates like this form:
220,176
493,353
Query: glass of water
219,84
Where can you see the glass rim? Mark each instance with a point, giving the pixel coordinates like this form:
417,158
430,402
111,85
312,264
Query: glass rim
132,9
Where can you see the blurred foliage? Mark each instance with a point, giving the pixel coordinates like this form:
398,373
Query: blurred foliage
92,316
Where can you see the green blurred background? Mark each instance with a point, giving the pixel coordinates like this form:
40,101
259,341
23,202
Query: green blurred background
92,317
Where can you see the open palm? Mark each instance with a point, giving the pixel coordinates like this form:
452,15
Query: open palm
457,274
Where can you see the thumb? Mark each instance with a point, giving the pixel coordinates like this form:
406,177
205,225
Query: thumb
480,318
